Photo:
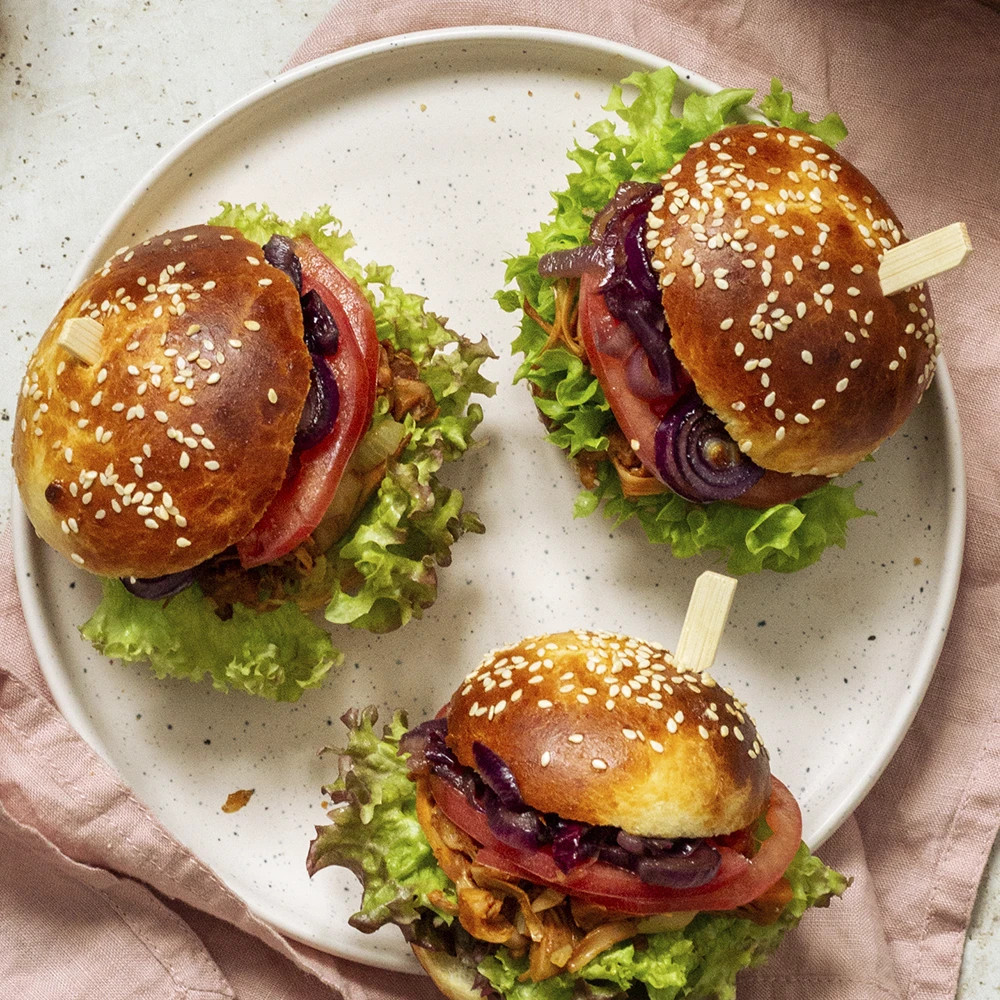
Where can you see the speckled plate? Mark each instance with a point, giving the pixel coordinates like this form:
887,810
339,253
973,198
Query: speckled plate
439,151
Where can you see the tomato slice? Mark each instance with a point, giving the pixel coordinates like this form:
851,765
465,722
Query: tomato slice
738,881
615,356
312,481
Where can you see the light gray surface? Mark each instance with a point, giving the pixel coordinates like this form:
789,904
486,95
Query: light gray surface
91,99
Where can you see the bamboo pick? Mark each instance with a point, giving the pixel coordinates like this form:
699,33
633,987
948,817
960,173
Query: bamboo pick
704,622
82,338
910,263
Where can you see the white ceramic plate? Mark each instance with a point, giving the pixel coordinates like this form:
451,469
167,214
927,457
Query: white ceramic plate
439,151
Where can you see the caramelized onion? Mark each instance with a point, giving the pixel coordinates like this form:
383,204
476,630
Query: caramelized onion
319,328
278,253
157,588
321,407
695,456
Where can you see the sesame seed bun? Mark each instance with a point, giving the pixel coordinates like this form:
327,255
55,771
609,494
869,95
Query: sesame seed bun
168,449
601,728
451,976
767,244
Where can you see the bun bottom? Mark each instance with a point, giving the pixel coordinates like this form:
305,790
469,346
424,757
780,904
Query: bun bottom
452,977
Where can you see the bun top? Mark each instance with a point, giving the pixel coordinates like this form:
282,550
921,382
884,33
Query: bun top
602,728
767,244
169,447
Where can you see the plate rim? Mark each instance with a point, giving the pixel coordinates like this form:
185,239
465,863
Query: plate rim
24,540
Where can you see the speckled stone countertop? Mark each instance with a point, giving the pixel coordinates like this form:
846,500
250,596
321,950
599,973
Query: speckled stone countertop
92,96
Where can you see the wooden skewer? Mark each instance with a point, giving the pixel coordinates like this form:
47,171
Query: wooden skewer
910,263
704,622
82,338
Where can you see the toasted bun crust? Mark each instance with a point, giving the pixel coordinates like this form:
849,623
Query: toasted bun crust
768,245
452,977
198,329
675,756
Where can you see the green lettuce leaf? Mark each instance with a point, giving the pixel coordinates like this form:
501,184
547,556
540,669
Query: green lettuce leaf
785,538
375,834
382,572
777,106
275,654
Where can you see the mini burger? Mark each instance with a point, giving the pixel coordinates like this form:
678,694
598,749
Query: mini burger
725,299
205,424
582,820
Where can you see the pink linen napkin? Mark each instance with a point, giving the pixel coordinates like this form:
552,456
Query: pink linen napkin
96,898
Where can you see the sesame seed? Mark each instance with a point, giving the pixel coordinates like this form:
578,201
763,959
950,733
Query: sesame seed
779,434
801,418
842,385
703,732
545,758
807,357
544,703
251,324
598,764
272,395
575,738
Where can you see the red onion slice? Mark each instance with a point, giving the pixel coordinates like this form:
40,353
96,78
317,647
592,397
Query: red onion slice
686,870
571,847
278,253
157,588
321,407
319,327
628,194
640,377
695,456
494,771
521,828
573,262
